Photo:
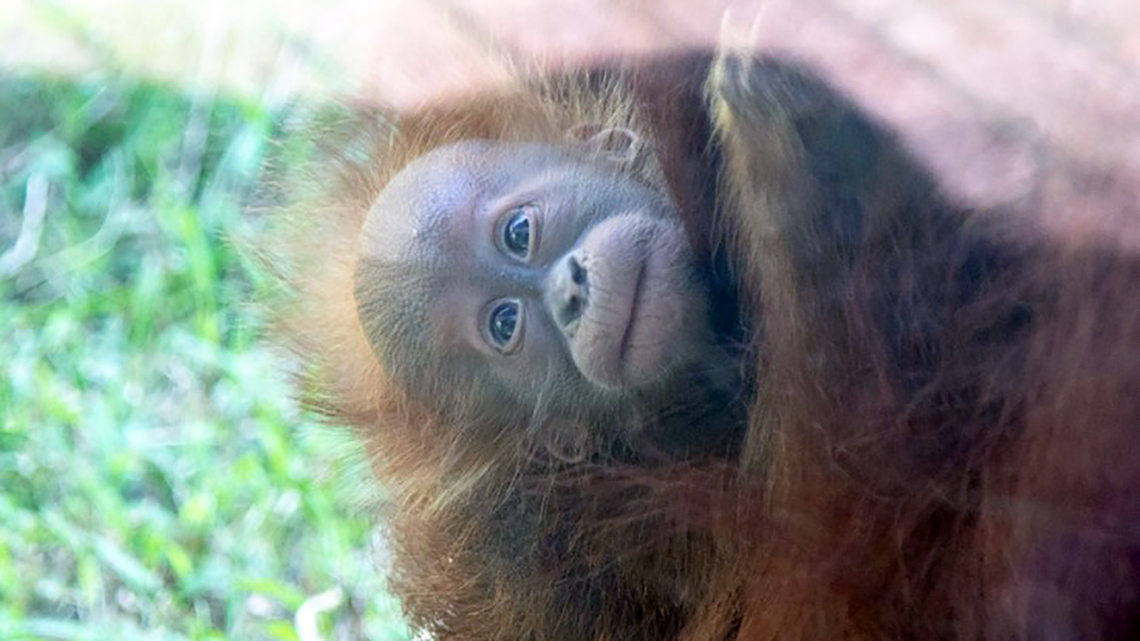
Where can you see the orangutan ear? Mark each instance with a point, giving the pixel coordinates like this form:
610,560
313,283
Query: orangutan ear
570,446
618,145
557,441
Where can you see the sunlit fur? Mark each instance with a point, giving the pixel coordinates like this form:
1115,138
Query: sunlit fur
941,443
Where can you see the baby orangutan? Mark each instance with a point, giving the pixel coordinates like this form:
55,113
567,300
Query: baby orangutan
689,348
535,282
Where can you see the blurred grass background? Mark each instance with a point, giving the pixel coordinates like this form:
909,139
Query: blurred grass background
156,482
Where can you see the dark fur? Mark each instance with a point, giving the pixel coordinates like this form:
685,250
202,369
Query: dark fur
934,437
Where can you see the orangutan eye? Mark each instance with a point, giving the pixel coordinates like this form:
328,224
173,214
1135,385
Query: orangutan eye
503,325
518,232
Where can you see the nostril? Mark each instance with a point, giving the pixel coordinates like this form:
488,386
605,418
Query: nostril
569,295
577,272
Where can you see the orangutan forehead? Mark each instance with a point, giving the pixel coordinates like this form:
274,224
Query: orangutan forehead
410,247
414,209
395,303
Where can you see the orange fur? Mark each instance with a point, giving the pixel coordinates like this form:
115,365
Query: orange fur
912,468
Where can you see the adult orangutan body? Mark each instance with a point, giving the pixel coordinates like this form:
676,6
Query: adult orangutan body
691,349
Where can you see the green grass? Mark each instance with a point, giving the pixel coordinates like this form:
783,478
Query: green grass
156,482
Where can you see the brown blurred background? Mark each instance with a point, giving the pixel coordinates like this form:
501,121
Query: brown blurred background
1010,100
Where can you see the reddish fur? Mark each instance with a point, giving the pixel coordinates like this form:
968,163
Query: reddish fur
834,522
